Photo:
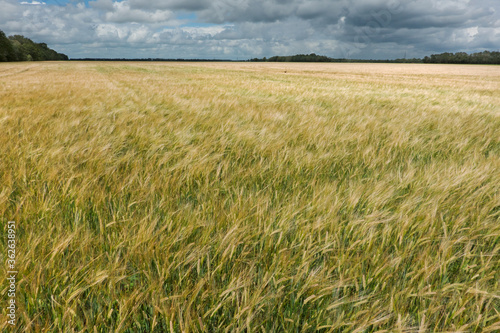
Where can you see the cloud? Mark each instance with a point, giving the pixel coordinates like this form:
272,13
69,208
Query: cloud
221,11
121,12
104,5
186,5
255,28
33,3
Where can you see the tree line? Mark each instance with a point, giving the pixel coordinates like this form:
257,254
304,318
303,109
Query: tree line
486,57
20,48
296,58
313,57
151,59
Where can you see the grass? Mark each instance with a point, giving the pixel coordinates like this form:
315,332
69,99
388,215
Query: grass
155,197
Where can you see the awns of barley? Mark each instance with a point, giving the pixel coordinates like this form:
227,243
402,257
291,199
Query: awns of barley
234,197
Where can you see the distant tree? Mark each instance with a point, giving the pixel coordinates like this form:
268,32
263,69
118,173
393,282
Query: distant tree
486,57
297,58
461,58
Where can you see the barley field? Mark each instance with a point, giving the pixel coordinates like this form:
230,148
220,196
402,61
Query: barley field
251,197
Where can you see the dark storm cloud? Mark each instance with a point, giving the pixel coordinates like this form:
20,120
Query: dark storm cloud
421,15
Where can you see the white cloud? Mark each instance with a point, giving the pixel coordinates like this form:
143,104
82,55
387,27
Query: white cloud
140,35
204,31
111,32
122,13
472,32
33,3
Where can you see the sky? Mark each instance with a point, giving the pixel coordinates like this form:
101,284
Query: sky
244,29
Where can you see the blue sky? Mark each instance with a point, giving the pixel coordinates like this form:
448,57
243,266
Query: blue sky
243,29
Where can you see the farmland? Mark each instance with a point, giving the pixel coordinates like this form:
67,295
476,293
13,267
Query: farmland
257,197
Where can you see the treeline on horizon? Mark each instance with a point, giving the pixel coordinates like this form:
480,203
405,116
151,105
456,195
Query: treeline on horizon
485,57
149,59
20,48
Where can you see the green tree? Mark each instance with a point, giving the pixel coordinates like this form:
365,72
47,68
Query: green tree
20,48
7,52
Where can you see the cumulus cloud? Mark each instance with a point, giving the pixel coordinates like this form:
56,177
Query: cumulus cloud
33,3
121,12
255,28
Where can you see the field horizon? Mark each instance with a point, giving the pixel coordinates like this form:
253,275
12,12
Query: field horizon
251,197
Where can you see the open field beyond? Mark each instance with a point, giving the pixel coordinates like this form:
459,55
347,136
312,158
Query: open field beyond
251,197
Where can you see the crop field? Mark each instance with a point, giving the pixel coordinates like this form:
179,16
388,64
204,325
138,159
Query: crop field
251,197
